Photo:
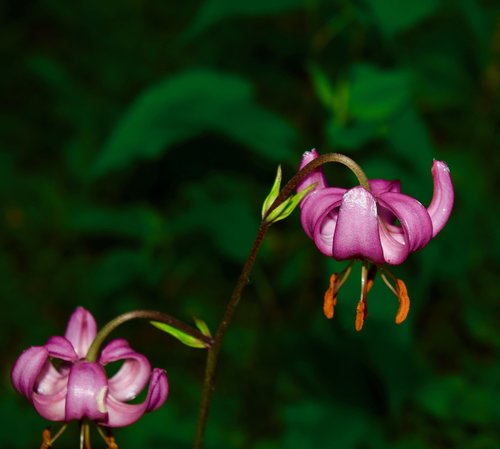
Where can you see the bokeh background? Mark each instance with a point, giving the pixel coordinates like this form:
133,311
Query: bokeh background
138,140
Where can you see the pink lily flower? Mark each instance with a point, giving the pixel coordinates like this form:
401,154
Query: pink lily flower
380,226
77,389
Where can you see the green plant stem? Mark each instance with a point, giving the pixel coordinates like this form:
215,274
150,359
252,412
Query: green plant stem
241,283
213,351
151,315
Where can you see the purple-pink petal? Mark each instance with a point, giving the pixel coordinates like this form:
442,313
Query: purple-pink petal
415,229
52,406
442,198
81,331
414,219
158,391
87,392
379,186
316,176
27,368
122,414
132,376
50,380
356,234
61,348
321,206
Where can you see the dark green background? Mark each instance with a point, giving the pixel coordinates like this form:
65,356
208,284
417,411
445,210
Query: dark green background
139,139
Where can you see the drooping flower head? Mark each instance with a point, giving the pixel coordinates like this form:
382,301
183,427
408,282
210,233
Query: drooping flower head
378,226
63,386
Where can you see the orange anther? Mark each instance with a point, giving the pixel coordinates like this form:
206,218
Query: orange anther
369,285
111,443
404,301
370,278
46,439
330,299
361,313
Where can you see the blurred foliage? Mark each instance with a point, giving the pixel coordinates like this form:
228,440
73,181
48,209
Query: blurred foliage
139,139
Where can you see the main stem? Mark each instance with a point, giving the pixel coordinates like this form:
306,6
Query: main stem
214,350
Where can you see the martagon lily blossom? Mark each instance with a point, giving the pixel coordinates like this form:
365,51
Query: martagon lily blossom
378,226
76,389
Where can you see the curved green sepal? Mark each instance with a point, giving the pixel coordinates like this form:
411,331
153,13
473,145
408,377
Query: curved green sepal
287,206
187,339
273,194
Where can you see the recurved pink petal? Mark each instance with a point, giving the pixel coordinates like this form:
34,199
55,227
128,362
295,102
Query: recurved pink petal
61,348
27,368
415,230
51,407
132,376
158,391
356,233
87,392
51,381
442,198
81,331
316,176
393,243
379,186
316,205
122,414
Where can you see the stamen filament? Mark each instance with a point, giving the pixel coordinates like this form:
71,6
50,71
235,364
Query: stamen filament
85,435
47,439
388,283
361,308
108,438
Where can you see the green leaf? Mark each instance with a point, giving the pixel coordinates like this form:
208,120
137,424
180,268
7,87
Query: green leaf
394,16
410,138
322,85
377,94
133,222
273,194
215,210
202,326
351,136
288,206
184,338
118,271
186,105
214,11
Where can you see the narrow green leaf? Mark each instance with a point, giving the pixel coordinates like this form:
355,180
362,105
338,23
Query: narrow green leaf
288,206
202,326
184,338
273,194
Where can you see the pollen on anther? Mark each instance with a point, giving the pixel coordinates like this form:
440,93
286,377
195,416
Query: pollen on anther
404,301
360,315
330,299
